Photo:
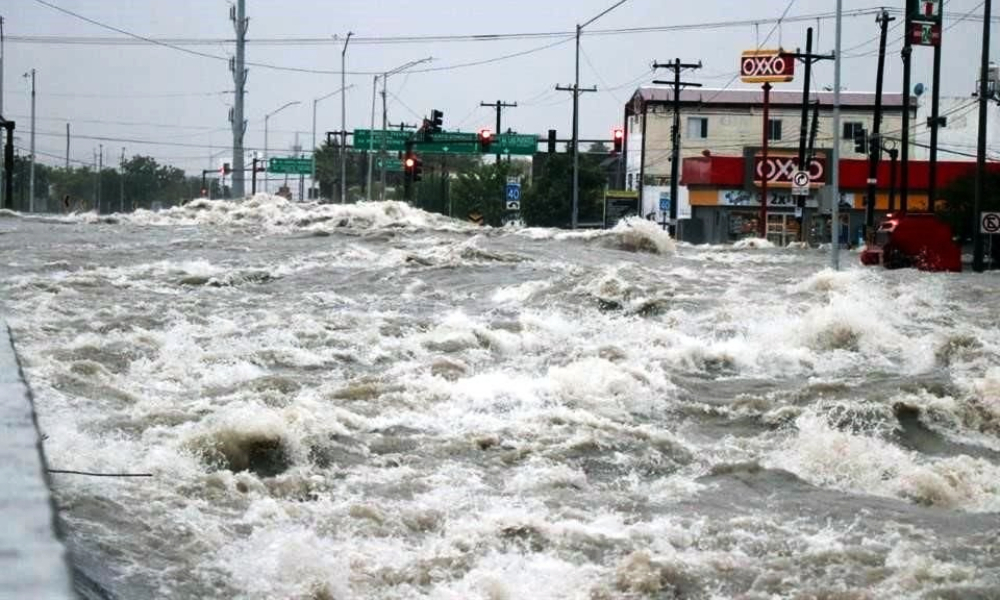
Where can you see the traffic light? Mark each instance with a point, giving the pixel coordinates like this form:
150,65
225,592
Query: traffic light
618,136
226,170
437,119
485,139
861,141
413,167
418,168
552,141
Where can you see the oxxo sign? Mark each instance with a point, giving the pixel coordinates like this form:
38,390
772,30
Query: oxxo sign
780,170
766,66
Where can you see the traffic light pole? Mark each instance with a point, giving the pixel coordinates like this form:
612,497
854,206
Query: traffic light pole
934,122
904,190
762,225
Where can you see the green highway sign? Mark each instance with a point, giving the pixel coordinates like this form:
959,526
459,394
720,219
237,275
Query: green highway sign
291,165
445,142
391,164
395,140
515,143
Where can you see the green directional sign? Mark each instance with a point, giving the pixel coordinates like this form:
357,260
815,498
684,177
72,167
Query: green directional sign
290,165
391,164
515,143
445,142
395,140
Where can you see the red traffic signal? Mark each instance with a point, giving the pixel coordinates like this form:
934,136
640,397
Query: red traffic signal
618,137
485,139
409,163
225,170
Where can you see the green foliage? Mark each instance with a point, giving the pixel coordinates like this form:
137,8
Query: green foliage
548,202
146,184
480,190
959,198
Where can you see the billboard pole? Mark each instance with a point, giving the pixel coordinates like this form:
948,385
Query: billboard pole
762,225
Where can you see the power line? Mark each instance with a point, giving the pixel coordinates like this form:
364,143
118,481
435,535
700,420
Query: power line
175,42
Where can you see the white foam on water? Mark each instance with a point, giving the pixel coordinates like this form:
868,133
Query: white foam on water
867,464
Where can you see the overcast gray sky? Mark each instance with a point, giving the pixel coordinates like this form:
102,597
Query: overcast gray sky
140,91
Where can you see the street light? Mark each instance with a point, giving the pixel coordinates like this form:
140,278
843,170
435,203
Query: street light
267,117
576,116
343,120
385,119
315,102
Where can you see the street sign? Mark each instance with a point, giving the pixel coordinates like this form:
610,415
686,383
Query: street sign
445,142
395,140
290,165
391,164
800,183
515,143
990,223
664,203
513,205
766,66
513,192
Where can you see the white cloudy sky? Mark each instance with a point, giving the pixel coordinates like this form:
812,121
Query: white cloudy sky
174,106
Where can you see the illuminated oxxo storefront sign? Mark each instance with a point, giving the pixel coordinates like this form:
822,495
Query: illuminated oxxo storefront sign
779,169
766,66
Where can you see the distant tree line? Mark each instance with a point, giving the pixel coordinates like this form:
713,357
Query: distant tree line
147,184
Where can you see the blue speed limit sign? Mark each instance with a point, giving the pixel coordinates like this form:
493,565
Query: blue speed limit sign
513,191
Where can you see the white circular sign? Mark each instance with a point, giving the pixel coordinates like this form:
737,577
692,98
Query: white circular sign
991,223
800,179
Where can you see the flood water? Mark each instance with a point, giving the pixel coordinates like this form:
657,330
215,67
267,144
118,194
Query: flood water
375,402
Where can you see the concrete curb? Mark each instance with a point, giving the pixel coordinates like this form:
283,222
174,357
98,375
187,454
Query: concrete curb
33,560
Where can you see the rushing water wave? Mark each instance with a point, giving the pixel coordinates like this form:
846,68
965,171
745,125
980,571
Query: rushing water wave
371,401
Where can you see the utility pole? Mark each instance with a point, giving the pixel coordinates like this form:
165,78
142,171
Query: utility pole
371,143
499,105
100,175
904,190
238,16
67,145
343,119
31,174
875,140
984,74
385,142
675,131
935,120
121,183
575,141
3,195
576,112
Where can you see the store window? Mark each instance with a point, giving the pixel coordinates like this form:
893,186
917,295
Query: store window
852,129
774,130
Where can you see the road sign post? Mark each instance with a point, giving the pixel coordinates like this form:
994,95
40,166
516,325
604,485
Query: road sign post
513,195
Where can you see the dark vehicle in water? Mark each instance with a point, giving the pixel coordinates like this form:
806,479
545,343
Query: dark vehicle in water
917,240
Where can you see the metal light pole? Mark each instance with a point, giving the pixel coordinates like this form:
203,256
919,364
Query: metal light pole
371,142
31,175
267,118
371,139
315,102
835,177
576,114
343,120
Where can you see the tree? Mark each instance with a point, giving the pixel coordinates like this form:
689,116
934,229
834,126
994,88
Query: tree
598,148
549,200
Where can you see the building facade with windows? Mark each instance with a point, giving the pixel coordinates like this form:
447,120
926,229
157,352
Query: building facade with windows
729,123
